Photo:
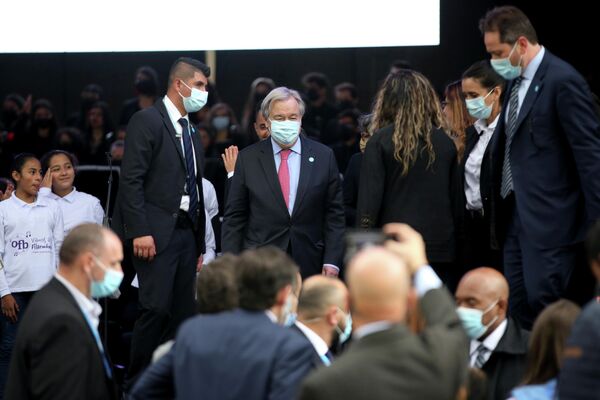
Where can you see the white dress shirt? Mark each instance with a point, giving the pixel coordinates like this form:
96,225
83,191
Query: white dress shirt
527,76
175,116
317,342
89,307
77,208
425,279
293,163
473,164
211,204
30,237
490,343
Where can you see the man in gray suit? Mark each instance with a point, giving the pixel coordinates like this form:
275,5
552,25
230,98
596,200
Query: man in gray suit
386,360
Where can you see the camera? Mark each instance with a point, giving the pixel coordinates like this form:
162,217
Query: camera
356,240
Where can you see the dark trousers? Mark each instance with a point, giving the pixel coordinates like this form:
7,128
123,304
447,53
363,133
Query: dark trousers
476,248
8,335
166,297
536,276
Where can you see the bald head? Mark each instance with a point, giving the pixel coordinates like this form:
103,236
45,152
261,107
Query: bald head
84,238
485,289
379,284
318,294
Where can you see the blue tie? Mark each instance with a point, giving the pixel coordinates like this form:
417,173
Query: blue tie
191,174
506,186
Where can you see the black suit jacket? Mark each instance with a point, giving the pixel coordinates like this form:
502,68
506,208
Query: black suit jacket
231,355
427,198
153,174
397,364
555,156
506,365
55,355
256,214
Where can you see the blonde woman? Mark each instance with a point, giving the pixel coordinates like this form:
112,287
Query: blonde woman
410,172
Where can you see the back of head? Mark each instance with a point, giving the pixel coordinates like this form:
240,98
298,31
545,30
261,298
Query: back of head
83,238
216,286
262,273
184,68
547,342
379,283
408,100
510,22
318,294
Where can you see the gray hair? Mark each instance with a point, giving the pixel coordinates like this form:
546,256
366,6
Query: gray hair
279,94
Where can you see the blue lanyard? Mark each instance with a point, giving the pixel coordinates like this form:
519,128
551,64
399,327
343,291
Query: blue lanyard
99,344
325,360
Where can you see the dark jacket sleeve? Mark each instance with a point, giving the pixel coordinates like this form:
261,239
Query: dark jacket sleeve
139,143
60,361
235,219
157,382
372,185
334,217
581,124
291,367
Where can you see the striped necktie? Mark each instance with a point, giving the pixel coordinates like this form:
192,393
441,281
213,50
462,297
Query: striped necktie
191,172
511,126
480,358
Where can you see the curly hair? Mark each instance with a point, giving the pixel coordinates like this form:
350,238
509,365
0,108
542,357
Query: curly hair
407,100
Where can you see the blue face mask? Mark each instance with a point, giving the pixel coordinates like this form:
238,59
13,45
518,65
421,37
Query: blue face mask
288,317
345,334
471,319
220,123
504,67
285,132
196,101
477,107
107,286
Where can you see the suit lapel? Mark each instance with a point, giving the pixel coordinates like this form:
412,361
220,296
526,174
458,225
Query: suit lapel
197,150
267,162
160,105
533,91
306,166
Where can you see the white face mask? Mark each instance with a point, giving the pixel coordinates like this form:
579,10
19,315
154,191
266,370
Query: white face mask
285,132
196,101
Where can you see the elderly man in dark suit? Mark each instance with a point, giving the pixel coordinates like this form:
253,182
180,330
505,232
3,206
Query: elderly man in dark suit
286,192
547,168
498,344
386,360
239,354
58,353
160,208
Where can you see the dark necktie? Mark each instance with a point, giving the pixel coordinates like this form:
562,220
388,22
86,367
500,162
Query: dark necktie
480,359
513,113
191,173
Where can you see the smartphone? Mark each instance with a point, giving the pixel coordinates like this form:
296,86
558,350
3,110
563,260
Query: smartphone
356,240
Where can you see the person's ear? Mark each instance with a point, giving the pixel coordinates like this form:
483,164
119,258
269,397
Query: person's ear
333,316
503,306
16,176
523,45
595,265
282,295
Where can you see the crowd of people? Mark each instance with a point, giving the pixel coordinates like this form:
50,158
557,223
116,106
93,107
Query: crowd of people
239,248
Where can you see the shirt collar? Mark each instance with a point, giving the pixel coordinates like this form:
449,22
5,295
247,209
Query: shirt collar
174,114
533,66
491,342
371,328
481,126
71,196
271,316
91,308
296,148
316,340
39,201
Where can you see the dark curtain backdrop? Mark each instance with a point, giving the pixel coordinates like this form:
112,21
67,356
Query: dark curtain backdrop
564,28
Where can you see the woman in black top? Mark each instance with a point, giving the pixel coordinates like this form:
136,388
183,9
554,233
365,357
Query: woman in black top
410,171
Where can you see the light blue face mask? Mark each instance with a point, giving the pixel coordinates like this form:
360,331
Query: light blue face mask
477,107
220,123
111,282
196,101
504,67
285,132
288,315
471,319
345,334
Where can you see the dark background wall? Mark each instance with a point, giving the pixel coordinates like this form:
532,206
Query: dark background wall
564,29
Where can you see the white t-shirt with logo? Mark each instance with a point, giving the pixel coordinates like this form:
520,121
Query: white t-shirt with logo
30,237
